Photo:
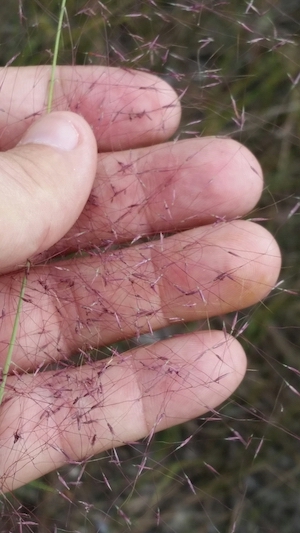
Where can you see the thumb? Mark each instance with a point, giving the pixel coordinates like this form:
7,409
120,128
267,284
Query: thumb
45,182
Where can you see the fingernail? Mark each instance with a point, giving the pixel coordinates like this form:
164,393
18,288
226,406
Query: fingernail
52,130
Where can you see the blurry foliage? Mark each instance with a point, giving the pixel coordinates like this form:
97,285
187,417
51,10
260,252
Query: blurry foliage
236,66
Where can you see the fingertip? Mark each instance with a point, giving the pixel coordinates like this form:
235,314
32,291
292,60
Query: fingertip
197,373
171,109
131,109
239,176
224,362
250,170
264,259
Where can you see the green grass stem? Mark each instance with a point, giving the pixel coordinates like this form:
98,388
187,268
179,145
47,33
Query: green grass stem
55,54
13,335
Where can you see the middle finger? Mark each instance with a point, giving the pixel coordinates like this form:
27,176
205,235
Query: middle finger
167,187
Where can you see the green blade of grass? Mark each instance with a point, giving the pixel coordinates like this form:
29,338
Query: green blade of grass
13,337
55,54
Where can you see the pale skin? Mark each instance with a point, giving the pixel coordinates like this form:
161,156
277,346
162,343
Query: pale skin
119,182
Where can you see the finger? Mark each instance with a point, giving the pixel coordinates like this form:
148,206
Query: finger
124,293
170,187
125,108
44,183
59,417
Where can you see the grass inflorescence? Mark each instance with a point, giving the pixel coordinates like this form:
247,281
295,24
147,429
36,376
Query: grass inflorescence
236,68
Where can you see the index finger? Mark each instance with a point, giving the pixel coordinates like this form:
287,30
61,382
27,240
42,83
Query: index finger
125,108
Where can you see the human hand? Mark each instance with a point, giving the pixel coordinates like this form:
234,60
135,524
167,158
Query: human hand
205,268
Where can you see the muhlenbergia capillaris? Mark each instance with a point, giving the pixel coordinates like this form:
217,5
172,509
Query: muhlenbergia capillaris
236,69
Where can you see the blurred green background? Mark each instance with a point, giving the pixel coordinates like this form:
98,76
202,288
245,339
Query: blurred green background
236,66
